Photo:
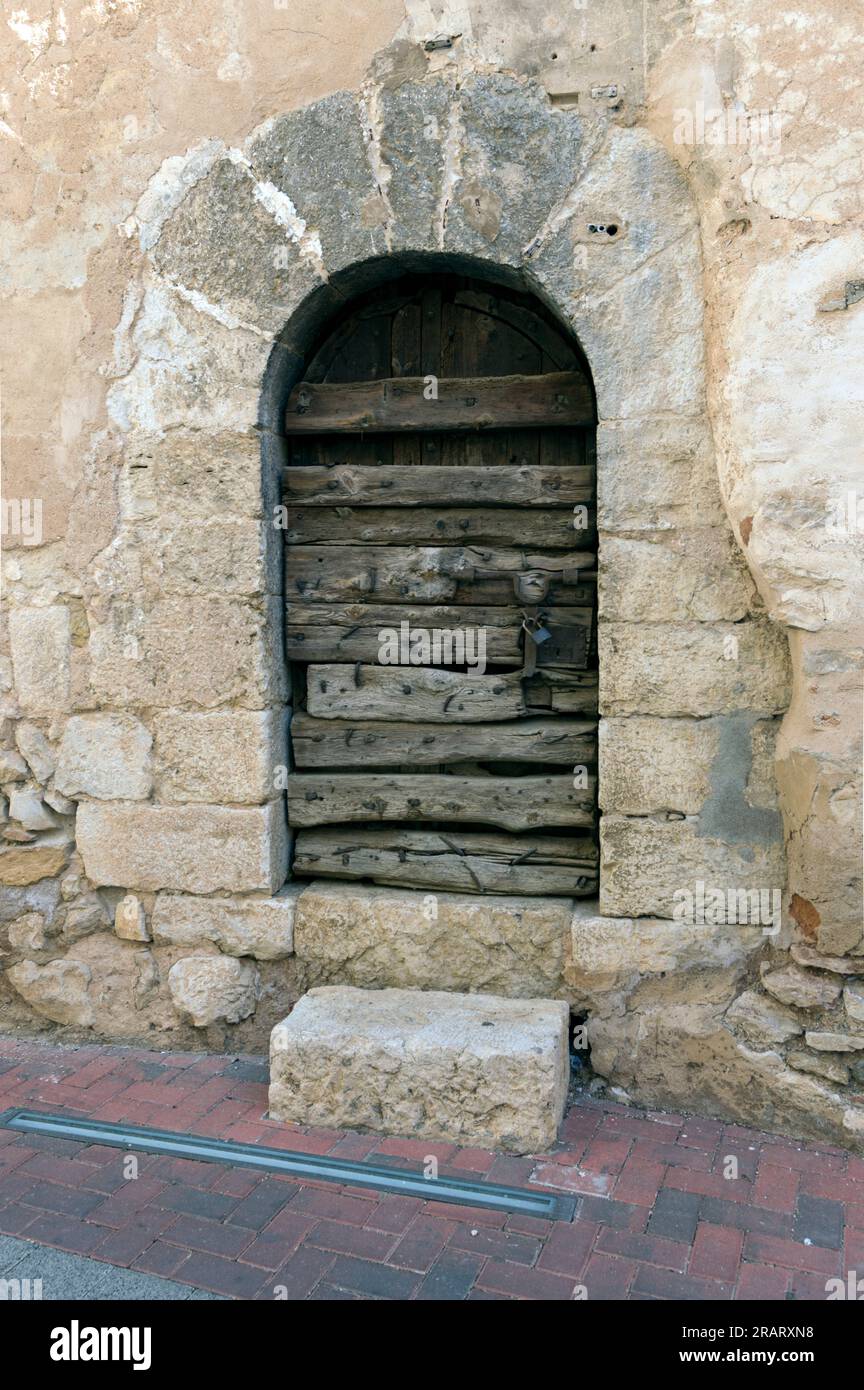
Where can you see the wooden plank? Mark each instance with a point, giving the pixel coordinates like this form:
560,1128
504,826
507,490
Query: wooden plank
422,574
512,803
457,862
365,356
322,485
416,693
550,342
405,342
338,743
546,527
430,301
351,632
475,403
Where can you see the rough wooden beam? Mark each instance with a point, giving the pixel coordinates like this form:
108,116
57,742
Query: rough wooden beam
410,485
513,803
459,403
418,693
337,743
453,861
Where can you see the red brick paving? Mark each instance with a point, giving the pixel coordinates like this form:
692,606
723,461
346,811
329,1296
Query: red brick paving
656,1217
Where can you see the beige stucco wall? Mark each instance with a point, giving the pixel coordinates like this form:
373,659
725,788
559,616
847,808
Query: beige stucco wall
94,100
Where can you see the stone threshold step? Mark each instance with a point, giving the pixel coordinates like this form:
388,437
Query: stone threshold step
474,1069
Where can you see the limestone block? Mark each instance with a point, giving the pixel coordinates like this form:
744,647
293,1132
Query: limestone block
12,766
262,927
106,756
220,755
193,477
316,157
200,849
837,965
853,1001
853,1122
649,764
82,920
518,159
615,947
41,641
58,991
654,867
379,937
190,368
415,124
801,988
657,366
28,933
213,989
29,863
237,248
762,1022
27,807
674,461
176,651
221,557
130,990
824,1041
674,576
637,177
41,897
34,746
685,1050
827,1064
471,1068
693,668
130,922
820,793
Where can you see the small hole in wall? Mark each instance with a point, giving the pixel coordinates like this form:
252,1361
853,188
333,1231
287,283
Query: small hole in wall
610,229
554,56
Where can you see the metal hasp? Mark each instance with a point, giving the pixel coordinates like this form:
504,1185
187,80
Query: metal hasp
547,1206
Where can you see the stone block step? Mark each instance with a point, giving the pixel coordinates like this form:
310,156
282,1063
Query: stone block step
471,1068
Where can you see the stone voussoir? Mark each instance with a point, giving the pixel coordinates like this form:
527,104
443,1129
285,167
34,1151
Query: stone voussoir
470,1068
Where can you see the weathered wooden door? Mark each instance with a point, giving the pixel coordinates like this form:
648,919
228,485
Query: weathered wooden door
441,481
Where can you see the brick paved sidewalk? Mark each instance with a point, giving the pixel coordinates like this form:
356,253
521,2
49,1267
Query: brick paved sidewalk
656,1218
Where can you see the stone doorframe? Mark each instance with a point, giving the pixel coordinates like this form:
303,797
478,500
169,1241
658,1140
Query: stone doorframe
249,246
247,253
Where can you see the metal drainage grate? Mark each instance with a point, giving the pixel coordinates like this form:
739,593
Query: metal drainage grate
551,1206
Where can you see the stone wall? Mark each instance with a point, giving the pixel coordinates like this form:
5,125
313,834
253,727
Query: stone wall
169,227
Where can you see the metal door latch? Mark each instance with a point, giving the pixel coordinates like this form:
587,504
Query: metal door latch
530,586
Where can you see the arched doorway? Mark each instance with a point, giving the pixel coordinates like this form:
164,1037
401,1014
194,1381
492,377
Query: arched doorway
440,579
